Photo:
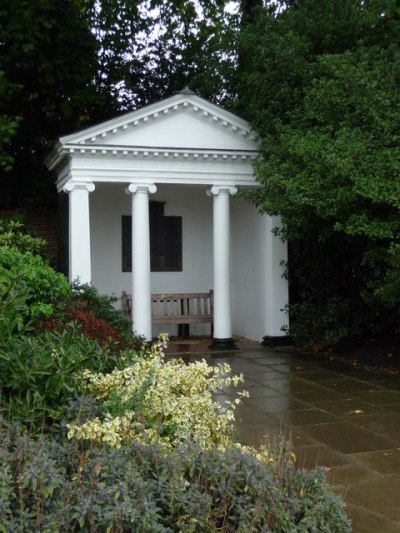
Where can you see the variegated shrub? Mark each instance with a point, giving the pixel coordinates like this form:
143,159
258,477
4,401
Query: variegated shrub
160,400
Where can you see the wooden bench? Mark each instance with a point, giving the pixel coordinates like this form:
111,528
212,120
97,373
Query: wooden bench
180,308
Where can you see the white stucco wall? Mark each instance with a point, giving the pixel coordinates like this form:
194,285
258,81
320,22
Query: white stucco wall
107,205
276,284
259,289
248,268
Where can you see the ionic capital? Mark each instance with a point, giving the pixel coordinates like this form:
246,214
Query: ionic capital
133,188
81,185
224,189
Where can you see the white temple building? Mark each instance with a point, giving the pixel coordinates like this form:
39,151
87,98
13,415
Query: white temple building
150,206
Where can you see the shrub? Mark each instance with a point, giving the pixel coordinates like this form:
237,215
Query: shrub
73,316
316,327
14,234
43,285
95,316
37,372
159,401
53,485
14,310
87,296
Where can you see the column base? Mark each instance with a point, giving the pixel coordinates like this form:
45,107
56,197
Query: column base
274,341
223,344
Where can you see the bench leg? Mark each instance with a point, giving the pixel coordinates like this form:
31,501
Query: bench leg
183,330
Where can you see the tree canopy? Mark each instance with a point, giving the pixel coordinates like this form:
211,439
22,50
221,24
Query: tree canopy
149,49
46,67
323,91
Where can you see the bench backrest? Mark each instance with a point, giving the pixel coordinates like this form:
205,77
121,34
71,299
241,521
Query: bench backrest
177,306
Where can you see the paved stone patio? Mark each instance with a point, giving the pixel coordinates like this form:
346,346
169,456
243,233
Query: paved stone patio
342,418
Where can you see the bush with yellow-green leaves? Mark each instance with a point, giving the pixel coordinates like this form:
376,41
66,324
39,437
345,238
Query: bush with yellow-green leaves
159,400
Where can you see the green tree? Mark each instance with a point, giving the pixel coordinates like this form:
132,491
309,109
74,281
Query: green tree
148,50
323,92
46,71
8,124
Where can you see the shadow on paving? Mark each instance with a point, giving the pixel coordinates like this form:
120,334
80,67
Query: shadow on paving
342,418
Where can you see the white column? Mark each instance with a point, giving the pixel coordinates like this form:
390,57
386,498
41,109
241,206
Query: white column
141,289
79,231
222,267
276,285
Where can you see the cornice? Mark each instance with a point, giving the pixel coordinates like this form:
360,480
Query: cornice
161,153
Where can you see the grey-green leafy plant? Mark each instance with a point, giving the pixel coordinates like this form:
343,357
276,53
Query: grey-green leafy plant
50,484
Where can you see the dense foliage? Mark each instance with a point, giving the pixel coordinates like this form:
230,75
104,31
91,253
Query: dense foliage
14,233
49,332
45,89
62,486
149,50
37,373
28,285
323,91
95,316
38,364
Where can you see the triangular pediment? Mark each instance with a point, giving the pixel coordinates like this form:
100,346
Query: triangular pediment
183,121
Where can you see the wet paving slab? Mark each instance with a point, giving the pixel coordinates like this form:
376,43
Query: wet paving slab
345,419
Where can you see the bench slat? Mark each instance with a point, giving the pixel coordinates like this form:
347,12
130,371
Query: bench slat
203,319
